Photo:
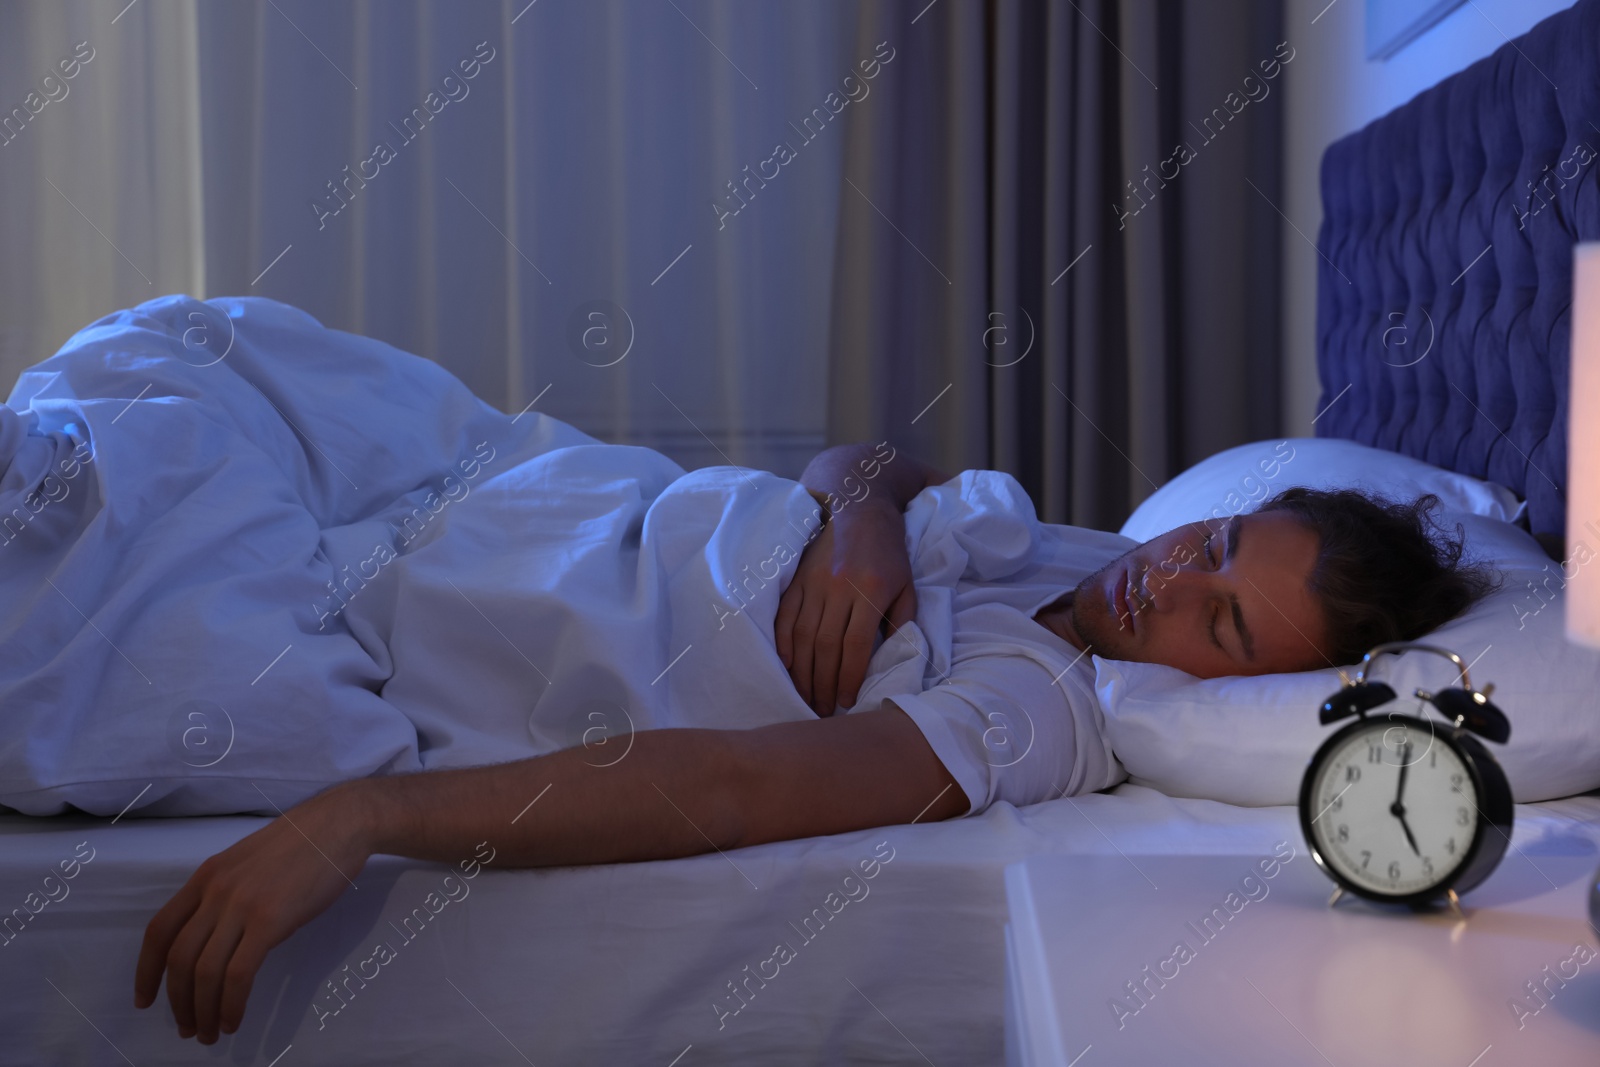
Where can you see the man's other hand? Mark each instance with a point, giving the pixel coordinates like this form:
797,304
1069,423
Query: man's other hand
213,935
853,577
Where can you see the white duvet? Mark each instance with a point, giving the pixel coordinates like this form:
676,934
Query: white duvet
181,484
243,557
584,595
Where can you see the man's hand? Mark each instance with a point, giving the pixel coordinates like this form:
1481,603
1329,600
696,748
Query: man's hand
212,937
853,576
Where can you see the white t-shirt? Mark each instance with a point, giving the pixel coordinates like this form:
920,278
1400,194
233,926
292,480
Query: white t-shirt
1007,705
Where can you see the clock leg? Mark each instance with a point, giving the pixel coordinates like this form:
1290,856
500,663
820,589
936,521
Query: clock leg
1338,892
1455,905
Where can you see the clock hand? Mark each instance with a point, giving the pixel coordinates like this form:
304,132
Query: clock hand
1397,809
1409,838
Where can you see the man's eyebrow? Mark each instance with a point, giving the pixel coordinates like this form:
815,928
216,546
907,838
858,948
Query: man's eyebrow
1238,616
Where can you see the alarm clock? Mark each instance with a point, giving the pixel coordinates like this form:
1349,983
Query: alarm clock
1399,809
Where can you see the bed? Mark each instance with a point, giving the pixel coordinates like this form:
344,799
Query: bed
645,963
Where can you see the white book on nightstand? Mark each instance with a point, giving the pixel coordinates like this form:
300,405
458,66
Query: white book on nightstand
1238,960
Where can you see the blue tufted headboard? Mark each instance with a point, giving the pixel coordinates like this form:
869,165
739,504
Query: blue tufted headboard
1446,279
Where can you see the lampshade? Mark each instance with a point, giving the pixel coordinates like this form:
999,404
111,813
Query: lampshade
1583,451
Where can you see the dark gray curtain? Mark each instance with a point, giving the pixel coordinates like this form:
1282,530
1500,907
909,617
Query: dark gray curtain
1058,248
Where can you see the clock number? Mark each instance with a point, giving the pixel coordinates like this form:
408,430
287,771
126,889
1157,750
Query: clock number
1394,870
1433,759
1450,846
1427,866
1337,804
1455,783
1462,818
1374,753
1343,833
1366,857
1352,773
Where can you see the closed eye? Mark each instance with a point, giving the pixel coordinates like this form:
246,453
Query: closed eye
1216,564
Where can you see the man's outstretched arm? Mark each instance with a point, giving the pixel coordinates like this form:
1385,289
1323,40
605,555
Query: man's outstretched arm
678,792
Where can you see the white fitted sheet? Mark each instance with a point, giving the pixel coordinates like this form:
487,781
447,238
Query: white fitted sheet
618,964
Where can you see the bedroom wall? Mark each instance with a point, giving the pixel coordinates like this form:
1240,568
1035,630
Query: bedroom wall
1331,90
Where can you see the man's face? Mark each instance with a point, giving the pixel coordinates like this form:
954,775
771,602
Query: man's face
1210,600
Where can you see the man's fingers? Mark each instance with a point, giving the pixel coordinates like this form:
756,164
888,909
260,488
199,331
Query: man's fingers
858,640
159,935
783,625
210,970
805,629
794,598
904,608
181,960
827,651
240,975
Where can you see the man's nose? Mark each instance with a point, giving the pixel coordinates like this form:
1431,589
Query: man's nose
1167,588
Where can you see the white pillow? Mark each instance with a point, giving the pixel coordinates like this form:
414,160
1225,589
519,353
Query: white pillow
1240,478
1246,740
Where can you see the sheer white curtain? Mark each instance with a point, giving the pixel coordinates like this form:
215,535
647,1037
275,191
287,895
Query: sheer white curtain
523,192
100,185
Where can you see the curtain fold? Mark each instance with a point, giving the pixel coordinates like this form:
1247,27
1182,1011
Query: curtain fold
1071,316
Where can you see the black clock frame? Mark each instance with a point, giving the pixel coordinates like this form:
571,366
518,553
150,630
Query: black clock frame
1494,811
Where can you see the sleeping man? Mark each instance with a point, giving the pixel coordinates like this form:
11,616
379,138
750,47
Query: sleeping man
1310,579
252,564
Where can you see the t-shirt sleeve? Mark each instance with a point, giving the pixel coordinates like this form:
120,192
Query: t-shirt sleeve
1006,731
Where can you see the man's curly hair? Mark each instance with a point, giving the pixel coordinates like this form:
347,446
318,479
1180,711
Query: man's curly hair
1385,570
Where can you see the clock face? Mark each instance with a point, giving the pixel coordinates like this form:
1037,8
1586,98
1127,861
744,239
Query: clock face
1393,808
